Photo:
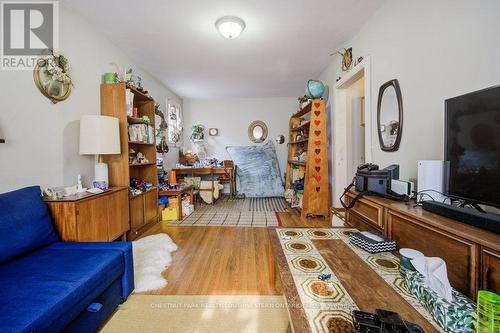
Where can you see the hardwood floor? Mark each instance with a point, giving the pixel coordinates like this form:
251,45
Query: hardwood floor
293,220
225,260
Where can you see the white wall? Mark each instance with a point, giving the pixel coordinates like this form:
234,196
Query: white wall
232,117
436,49
42,138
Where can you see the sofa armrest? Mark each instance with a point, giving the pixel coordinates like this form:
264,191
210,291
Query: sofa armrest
124,247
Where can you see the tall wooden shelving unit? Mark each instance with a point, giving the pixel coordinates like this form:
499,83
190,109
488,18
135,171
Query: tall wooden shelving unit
311,121
143,208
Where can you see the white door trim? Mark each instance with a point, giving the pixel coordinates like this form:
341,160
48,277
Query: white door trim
362,69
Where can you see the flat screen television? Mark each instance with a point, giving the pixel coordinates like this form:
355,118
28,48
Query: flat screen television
472,146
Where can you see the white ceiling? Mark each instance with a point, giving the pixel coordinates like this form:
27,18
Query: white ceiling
285,43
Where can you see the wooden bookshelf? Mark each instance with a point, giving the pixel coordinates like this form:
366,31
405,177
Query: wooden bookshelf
299,141
297,163
132,120
141,164
310,124
300,127
143,208
140,143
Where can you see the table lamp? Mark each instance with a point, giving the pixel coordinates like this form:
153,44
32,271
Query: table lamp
99,135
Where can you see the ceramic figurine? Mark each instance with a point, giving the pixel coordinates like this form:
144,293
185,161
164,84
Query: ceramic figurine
79,187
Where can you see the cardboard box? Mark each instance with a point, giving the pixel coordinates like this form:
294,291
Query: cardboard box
170,214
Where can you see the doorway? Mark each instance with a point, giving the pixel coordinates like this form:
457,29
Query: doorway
355,126
351,126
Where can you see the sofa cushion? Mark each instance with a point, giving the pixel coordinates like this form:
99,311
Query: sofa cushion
25,223
49,287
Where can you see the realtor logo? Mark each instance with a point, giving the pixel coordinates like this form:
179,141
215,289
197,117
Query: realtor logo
29,29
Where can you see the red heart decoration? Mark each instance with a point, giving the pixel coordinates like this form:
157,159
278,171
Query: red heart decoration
317,151
317,169
318,178
317,122
317,142
317,160
317,113
317,133
316,105
318,188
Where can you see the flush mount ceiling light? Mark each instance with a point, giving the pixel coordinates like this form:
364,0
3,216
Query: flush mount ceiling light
230,26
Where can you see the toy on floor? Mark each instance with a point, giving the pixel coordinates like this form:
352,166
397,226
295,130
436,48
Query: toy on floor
324,276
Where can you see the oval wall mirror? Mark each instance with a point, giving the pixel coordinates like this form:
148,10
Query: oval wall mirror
257,131
390,116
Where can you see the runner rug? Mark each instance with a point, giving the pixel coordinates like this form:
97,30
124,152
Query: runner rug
327,307
248,212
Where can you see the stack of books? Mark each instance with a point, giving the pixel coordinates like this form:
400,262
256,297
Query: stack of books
141,133
129,102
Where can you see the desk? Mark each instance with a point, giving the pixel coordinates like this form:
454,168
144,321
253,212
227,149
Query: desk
178,193
210,171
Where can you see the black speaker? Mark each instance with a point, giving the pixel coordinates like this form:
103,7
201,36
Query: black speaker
486,221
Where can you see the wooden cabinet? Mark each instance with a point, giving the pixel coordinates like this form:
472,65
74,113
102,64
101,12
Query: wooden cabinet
358,222
370,213
472,255
459,254
151,207
91,218
118,219
490,270
142,208
137,212
143,212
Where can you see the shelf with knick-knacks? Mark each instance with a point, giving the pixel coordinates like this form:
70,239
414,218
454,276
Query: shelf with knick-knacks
307,168
137,162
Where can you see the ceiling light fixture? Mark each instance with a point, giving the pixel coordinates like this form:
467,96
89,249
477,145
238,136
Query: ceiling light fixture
230,27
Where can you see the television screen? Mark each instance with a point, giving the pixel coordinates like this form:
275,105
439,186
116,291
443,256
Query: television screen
472,146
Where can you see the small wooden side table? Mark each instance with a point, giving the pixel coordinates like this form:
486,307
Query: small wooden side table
87,217
178,193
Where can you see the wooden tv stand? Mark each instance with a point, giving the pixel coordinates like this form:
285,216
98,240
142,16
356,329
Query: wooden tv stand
472,255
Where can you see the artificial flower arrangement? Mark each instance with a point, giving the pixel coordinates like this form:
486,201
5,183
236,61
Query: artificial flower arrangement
56,66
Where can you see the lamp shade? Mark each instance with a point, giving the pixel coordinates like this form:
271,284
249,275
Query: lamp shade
99,135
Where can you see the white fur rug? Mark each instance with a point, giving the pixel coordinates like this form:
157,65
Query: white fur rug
151,258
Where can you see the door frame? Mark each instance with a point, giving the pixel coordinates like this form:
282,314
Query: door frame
342,143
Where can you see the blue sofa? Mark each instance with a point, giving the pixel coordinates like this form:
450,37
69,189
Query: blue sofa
51,286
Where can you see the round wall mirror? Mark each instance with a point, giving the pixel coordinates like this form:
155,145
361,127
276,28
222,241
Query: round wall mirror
390,116
257,131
